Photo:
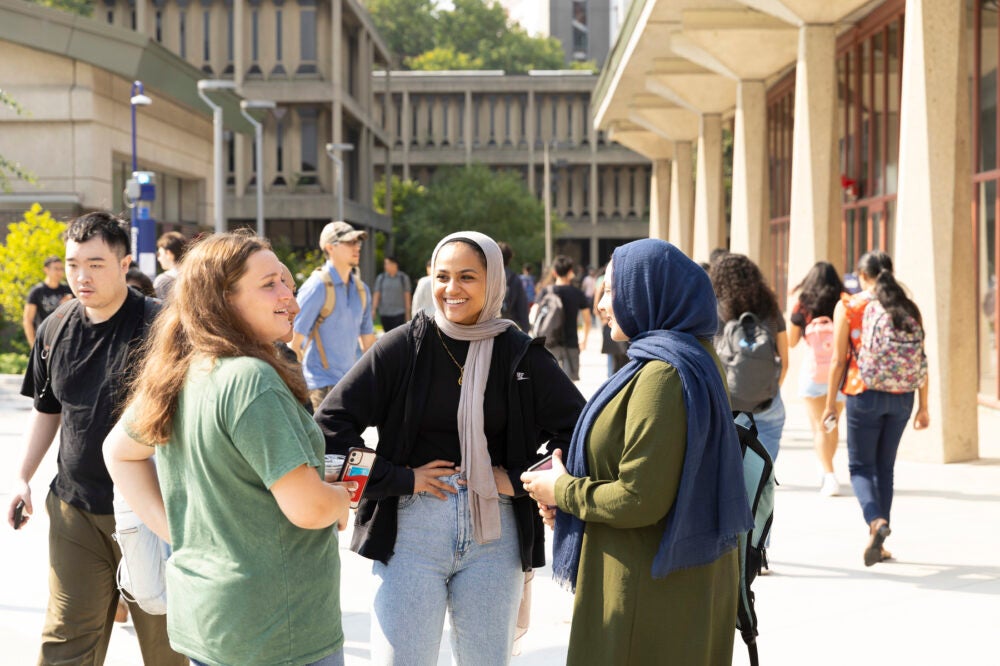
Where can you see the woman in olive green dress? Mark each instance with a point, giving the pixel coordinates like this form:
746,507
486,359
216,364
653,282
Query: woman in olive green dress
652,498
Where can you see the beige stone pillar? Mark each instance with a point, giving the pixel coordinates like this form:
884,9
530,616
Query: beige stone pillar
682,198
749,170
933,238
659,200
406,125
814,230
709,218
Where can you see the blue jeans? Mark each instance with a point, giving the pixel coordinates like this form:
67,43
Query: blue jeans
335,659
436,566
875,424
770,423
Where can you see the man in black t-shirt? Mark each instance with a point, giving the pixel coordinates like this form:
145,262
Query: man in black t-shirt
574,302
79,390
45,297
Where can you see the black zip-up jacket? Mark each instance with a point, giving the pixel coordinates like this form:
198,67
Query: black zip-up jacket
387,389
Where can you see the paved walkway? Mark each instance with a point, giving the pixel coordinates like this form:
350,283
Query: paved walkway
937,603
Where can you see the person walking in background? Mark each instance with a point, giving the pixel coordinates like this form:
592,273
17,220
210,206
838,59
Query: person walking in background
462,401
169,251
515,300
238,488
649,505
45,297
392,295
812,321
879,385
423,295
615,350
77,374
528,282
589,287
140,282
328,345
740,287
576,308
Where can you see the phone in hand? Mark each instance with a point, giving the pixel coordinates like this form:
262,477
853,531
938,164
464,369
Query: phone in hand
357,467
830,422
542,465
19,515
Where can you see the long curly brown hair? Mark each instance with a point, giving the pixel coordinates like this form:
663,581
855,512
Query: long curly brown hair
198,321
740,287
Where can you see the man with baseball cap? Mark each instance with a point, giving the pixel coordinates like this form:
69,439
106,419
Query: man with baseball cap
328,346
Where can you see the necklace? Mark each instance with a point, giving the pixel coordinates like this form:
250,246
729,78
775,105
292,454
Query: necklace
461,368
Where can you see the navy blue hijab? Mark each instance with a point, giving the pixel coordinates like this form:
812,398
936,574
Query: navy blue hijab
664,302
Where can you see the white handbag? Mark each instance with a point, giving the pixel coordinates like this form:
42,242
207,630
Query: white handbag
142,571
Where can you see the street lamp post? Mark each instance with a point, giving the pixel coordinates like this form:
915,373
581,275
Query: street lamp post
258,130
140,193
331,150
204,86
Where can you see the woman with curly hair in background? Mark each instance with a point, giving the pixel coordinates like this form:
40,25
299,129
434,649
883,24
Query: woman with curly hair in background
740,287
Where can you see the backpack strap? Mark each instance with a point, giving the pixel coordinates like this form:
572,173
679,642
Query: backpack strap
329,304
60,318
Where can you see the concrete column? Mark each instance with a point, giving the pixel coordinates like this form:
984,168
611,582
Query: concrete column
749,170
659,200
815,227
709,217
933,238
529,135
406,125
241,32
682,198
467,127
143,11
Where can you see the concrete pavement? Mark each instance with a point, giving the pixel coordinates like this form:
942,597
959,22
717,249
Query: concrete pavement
936,603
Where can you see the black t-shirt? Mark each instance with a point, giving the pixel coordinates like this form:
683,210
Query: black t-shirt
46,300
437,433
90,365
573,301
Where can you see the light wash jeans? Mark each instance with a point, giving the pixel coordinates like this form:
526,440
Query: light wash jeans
436,566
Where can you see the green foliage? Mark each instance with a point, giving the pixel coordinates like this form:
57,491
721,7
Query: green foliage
443,59
9,168
475,34
407,26
22,256
13,363
496,203
81,7
300,262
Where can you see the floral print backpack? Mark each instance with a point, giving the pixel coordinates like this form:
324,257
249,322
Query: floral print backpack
891,359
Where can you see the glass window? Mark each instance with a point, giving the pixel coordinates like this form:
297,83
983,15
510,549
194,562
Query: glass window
159,25
182,33
254,35
206,35
277,36
307,40
310,140
988,88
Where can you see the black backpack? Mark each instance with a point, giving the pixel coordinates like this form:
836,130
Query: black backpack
549,318
758,475
750,357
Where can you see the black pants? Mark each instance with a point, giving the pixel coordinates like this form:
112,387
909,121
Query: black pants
390,322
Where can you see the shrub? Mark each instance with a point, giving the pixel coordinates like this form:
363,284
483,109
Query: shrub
13,363
22,256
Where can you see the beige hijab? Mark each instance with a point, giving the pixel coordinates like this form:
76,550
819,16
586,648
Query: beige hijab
483,497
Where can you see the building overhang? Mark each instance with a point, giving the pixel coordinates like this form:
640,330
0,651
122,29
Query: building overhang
122,52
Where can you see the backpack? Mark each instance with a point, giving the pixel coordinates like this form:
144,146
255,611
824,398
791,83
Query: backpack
749,355
889,358
549,318
758,475
819,336
329,303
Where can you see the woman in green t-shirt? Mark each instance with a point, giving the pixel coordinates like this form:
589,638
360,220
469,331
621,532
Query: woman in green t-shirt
239,487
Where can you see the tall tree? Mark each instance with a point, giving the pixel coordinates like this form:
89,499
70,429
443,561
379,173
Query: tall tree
408,26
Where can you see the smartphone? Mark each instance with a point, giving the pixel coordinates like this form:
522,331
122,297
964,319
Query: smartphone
19,515
542,465
357,468
830,422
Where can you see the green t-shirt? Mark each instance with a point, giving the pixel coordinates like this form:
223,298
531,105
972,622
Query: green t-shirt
244,585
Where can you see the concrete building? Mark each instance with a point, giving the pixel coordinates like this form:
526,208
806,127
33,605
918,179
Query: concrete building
586,28
313,58
844,141
599,188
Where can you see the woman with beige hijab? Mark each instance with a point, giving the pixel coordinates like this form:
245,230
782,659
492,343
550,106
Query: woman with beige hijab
463,401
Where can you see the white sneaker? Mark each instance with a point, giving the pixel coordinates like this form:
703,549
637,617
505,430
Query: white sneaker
830,487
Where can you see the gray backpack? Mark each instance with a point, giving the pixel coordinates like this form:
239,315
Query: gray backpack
549,318
750,357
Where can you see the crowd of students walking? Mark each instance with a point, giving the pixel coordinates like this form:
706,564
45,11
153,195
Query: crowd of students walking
207,432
